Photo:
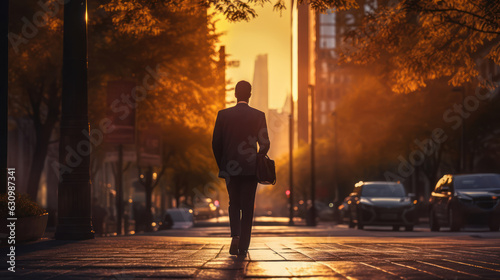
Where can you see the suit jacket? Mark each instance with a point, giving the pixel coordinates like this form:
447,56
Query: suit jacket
236,133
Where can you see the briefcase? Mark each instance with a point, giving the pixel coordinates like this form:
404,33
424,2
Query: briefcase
266,170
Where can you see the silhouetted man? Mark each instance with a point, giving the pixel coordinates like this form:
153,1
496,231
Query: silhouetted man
237,131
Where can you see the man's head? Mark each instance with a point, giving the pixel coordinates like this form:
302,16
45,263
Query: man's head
243,91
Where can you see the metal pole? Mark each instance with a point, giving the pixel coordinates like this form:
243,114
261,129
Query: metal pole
290,198
119,191
4,95
336,159
74,192
291,122
462,136
312,218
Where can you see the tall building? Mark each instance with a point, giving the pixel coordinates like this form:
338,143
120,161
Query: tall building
221,69
306,57
278,122
333,79
260,84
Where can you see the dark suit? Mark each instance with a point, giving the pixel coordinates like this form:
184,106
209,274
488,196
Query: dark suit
236,133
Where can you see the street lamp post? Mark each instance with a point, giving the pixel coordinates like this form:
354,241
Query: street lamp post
462,136
4,95
336,157
461,157
312,211
290,197
74,193
291,121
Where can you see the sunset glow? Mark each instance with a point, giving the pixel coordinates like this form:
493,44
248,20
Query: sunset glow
269,33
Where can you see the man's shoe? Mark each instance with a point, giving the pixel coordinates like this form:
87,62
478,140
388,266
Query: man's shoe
233,250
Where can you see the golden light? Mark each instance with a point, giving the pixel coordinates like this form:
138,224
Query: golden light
212,207
191,211
268,268
153,224
415,201
142,176
130,200
155,175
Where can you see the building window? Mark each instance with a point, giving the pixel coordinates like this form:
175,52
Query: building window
327,18
332,105
370,6
324,67
327,43
323,119
349,19
327,30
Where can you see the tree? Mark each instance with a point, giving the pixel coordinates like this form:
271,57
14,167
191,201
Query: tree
35,80
424,40
176,41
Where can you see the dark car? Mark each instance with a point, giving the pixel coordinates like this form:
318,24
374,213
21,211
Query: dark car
381,204
459,200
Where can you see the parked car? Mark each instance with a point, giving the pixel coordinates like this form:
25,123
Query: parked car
459,200
381,204
204,208
177,218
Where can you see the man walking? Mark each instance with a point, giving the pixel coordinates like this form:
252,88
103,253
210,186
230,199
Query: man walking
237,132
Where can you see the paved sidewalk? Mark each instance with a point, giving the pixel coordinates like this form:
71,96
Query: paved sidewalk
136,257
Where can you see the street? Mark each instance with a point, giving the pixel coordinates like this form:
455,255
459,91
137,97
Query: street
328,251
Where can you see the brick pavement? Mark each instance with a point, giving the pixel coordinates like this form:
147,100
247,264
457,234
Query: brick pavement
136,257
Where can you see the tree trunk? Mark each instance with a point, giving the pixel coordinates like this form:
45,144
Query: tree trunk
43,131
4,88
38,159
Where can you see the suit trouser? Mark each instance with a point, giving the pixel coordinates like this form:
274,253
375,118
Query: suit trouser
241,190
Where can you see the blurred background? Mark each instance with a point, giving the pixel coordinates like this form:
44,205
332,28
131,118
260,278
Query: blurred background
385,90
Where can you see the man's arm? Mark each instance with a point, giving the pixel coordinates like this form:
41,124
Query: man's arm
263,137
217,141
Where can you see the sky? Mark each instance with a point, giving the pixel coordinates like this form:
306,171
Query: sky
268,33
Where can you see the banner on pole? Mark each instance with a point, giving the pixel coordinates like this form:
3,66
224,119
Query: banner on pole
150,146
121,112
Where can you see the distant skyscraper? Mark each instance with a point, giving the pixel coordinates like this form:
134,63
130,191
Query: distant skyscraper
260,84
